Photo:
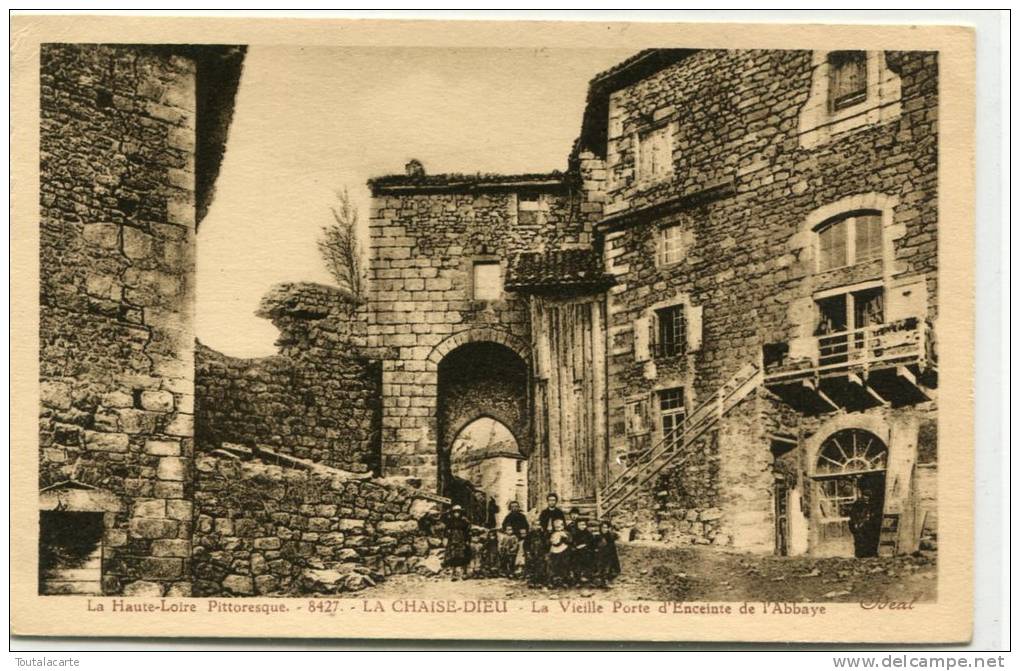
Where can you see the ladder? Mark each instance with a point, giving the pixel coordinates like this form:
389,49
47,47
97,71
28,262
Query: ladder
704,418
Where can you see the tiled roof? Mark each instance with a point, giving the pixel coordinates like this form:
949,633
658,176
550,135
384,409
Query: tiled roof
574,268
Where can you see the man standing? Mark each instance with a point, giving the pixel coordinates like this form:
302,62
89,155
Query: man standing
515,518
866,518
551,512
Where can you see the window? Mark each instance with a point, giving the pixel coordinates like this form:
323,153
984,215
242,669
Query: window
670,245
671,414
841,321
849,239
487,281
672,331
655,155
848,78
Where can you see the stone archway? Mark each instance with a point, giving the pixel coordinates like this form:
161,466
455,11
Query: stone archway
480,379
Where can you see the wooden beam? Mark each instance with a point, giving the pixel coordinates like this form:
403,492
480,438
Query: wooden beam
853,378
906,375
813,387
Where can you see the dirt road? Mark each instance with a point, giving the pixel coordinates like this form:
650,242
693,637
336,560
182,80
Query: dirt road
696,573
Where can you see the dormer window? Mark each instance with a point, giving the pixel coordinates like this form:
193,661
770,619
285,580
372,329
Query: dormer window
849,239
848,78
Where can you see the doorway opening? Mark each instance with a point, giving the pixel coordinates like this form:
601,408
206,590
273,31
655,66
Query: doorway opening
70,552
850,485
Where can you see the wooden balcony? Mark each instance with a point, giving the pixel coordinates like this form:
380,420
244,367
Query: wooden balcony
881,365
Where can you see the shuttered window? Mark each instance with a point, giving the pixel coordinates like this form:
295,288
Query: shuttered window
848,78
655,155
849,239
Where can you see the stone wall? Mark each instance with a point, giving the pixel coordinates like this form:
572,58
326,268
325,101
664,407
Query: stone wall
317,400
265,529
116,269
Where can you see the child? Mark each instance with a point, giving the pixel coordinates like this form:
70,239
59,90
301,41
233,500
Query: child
477,550
535,548
607,562
582,554
490,556
559,555
508,547
520,557
572,518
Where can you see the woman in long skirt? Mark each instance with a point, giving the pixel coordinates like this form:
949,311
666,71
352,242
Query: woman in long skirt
458,543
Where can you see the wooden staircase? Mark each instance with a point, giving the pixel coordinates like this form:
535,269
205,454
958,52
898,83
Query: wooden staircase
672,446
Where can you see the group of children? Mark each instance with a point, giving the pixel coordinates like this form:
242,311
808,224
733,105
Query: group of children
558,552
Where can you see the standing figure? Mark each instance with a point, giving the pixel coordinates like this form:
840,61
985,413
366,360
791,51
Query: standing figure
866,518
607,562
573,515
559,555
515,517
477,554
490,554
550,513
509,544
535,548
458,543
491,511
521,556
582,554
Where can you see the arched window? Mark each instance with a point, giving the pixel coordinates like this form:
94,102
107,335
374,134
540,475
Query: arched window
854,237
851,452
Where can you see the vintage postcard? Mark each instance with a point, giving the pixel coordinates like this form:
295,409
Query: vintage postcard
492,330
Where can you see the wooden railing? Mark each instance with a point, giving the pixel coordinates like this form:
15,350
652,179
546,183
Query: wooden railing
879,345
671,447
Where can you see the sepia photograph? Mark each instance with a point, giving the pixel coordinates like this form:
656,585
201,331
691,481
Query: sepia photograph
484,330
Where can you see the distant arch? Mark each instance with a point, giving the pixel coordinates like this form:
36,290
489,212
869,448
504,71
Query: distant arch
485,415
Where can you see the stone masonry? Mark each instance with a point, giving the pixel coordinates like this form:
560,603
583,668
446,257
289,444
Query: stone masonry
118,214
697,192
264,529
318,399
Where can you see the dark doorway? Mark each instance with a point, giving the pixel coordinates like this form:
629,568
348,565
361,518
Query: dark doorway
70,552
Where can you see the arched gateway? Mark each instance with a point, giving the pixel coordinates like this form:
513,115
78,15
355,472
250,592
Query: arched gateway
480,385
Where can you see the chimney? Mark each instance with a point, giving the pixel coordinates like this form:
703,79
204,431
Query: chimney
414,168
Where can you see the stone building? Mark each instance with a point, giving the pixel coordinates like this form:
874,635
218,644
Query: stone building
716,326
130,143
